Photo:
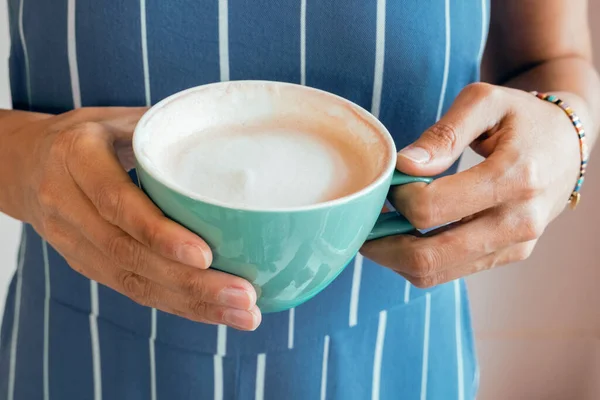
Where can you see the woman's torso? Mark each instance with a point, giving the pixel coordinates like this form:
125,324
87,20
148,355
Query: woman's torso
405,61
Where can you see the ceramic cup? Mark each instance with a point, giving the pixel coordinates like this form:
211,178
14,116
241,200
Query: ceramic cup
291,254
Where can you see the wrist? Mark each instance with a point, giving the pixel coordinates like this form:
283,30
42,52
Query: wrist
577,124
584,111
20,134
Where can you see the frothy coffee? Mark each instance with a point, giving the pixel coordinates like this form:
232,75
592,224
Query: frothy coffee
253,147
266,166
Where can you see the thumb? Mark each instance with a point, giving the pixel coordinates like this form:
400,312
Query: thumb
477,109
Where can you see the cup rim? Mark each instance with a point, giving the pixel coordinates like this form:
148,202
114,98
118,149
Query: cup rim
156,175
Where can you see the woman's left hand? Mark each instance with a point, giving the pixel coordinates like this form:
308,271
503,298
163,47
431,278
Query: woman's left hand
502,205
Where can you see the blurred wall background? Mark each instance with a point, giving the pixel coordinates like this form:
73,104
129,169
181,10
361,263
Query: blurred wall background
537,322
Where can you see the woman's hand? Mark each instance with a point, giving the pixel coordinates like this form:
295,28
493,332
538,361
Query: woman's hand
80,199
502,205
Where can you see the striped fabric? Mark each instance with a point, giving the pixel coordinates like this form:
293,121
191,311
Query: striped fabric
370,335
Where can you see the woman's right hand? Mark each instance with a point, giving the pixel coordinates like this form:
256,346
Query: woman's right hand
79,197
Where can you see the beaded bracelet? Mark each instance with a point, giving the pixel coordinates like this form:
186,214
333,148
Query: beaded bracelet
583,148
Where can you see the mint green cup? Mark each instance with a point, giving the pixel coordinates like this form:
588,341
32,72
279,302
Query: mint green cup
288,254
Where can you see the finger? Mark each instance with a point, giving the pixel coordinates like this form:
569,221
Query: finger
96,170
497,180
476,110
210,286
464,243
75,222
99,240
217,305
123,124
506,256
121,118
150,294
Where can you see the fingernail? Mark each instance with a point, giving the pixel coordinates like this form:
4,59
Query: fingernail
194,255
240,319
237,298
415,154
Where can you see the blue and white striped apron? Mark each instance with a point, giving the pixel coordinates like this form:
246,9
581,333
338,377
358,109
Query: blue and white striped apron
370,335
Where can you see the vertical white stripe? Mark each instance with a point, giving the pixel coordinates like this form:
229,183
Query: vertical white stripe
218,367
324,368
224,39
221,340
72,54
261,361
425,367
45,372
355,291
378,355
303,42
446,63
16,318
406,292
459,349
291,321
25,52
483,29
97,372
145,52
152,352
218,360
379,58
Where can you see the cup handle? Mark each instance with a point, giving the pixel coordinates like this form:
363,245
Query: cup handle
392,223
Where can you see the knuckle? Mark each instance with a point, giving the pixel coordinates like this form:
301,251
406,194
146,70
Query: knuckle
485,264
425,282
443,136
124,251
52,230
109,203
194,285
198,308
81,135
530,179
135,287
86,129
423,261
481,90
152,237
531,227
47,195
79,113
523,252
72,140
422,211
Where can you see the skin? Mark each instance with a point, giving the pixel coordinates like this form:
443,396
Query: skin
65,175
531,150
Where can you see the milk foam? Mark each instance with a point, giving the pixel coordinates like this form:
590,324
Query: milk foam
264,167
262,145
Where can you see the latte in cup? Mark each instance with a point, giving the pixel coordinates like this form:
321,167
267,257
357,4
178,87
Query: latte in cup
261,158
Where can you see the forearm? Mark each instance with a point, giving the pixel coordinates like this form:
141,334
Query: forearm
576,82
16,148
